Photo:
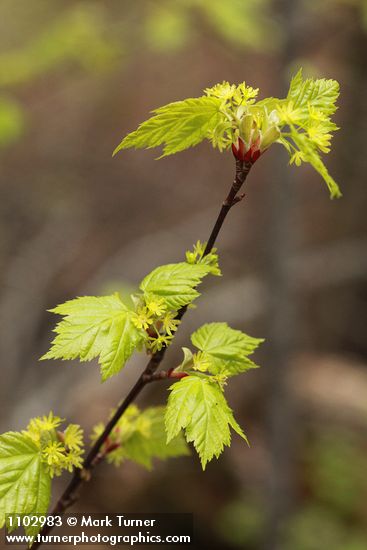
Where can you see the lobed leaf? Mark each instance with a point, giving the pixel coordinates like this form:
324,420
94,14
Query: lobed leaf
176,126
318,93
197,405
230,118
312,156
96,326
144,445
175,283
226,349
25,485
310,104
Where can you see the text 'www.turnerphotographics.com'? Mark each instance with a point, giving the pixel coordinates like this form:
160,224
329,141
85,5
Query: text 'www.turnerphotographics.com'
108,529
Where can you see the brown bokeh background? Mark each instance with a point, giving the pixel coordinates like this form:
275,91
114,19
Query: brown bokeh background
75,76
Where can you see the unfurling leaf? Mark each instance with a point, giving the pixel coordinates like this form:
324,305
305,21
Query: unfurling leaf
225,350
320,94
197,405
310,154
307,111
229,116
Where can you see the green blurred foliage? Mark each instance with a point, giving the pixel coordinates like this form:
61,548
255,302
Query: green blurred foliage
95,36
241,522
315,527
75,36
331,512
337,461
167,27
11,121
37,39
174,24
241,23
323,8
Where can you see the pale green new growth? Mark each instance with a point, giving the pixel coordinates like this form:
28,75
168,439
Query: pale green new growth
140,437
224,350
320,94
196,256
25,484
96,326
197,405
176,126
175,283
307,111
229,116
105,327
28,461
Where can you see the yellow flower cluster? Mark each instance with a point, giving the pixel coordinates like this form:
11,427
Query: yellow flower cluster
197,257
238,95
153,313
59,450
157,321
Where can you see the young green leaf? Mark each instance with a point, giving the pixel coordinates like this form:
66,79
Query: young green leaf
140,436
307,111
176,126
175,283
145,445
197,405
197,257
25,485
230,118
320,94
310,154
96,326
226,350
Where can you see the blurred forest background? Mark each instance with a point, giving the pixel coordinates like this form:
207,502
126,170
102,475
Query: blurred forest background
75,76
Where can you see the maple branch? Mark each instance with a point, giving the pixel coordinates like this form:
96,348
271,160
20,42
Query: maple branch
96,453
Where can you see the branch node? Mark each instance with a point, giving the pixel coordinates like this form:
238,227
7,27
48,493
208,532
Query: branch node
238,198
85,475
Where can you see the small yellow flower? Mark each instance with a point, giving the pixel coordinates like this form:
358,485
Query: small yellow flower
222,91
319,137
142,318
54,454
239,95
156,306
73,437
42,424
169,323
73,460
156,344
221,379
42,427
